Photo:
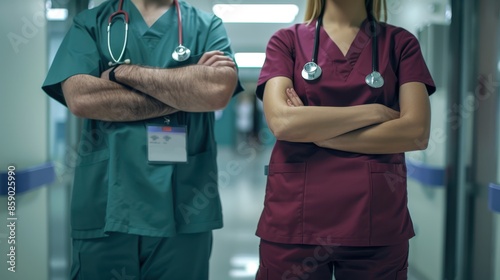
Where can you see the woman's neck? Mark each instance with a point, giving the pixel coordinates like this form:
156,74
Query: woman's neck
344,13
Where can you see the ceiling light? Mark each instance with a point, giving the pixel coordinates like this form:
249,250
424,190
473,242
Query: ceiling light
250,60
57,14
256,13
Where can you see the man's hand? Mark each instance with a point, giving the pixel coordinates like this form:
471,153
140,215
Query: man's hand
212,58
203,87
216,59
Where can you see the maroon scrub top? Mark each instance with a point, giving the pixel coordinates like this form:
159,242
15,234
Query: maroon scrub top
323,196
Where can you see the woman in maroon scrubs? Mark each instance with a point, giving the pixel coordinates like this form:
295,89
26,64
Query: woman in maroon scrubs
336,199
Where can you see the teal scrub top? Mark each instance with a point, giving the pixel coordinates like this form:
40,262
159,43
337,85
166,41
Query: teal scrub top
115,188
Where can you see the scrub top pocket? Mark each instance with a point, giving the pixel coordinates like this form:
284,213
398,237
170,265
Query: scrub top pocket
284,199
198,207
89,197
390,218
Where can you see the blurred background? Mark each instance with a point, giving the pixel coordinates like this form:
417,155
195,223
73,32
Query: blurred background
453,189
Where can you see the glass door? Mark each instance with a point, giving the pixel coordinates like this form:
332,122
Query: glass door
485,144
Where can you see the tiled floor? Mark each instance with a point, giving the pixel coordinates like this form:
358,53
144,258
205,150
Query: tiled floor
235,250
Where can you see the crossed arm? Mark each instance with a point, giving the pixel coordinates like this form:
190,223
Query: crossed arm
153,92
368,129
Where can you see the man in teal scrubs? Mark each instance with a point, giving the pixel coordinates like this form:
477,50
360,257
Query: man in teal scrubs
145,197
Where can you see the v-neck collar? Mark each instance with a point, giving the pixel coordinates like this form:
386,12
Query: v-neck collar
159,27
332,49
343,64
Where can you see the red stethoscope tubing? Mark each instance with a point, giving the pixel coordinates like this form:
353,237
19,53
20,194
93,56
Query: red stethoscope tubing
179,20
119,12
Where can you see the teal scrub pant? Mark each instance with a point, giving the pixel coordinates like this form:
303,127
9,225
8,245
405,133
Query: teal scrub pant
132,257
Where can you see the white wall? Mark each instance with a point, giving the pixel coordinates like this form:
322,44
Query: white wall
23,126
412,15
427,205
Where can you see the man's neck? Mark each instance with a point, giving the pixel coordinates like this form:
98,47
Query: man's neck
153,4
152,10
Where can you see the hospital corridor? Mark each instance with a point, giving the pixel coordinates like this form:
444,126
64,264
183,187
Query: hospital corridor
250,139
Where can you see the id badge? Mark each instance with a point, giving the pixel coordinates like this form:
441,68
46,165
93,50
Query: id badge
167,144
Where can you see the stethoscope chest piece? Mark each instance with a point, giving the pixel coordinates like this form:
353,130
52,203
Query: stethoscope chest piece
375,80
311,71
181,53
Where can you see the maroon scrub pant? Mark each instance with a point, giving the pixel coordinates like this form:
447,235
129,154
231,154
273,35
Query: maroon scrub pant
318,262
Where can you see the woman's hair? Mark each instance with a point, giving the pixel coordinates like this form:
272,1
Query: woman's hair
377,8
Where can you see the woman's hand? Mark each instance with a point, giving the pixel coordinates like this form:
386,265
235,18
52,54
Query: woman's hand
293,99
385,113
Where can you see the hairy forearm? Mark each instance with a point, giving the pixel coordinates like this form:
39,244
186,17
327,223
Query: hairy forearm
100,99
194,88
317,123
396,136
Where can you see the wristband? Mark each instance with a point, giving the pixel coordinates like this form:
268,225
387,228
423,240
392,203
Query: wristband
112,76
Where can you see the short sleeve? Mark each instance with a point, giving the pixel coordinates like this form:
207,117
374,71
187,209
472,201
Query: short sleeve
78,54
412,66
279,59
218,40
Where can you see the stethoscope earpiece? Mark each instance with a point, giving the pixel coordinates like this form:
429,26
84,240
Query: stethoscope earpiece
126,61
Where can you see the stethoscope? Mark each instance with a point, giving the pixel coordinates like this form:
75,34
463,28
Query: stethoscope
180,53
313,71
